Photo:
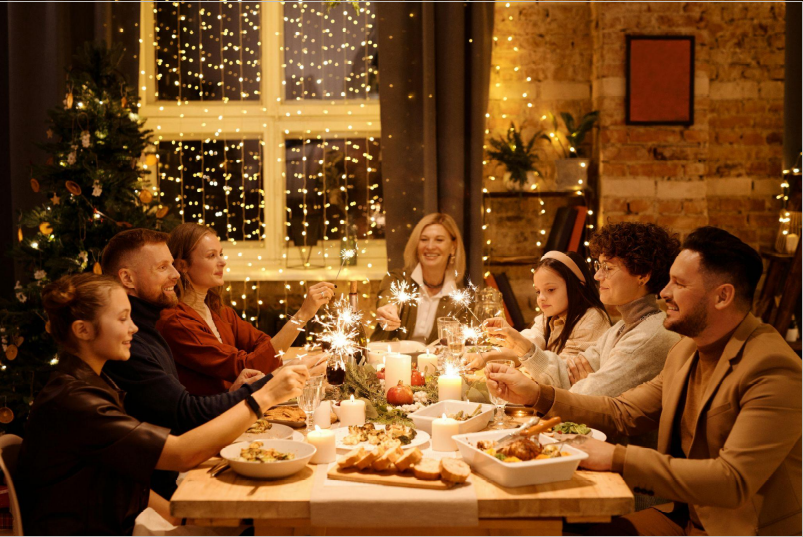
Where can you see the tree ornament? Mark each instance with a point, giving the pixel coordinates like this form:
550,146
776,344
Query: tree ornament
49,134
123,102
55,199
69,100
145,196
45,228
47,327
18,341
162,212
86,138
150,159
72,157
133,163
19,234
73,187
34,185
97,190
40,275
11,352
96,268
6,415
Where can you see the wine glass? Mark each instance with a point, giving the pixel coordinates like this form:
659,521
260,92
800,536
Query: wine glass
501,421
456,342
310,398
336,374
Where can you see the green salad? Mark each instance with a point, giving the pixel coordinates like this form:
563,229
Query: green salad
569,427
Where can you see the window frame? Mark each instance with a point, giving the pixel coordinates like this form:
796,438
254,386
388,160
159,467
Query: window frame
273,120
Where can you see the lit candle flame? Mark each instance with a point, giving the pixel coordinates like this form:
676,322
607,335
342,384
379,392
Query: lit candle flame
352,398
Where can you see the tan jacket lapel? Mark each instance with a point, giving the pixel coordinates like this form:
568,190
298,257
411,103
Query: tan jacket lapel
675,391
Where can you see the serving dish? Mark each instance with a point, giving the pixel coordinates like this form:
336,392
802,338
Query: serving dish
421,438
270,470
424,417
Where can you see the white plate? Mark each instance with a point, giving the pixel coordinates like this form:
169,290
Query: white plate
270,470
518,474
595,434
276,432
424,417
421,438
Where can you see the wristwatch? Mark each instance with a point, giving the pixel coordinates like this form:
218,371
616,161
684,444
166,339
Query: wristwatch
254,405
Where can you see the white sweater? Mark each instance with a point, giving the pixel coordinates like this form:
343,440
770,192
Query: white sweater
629,353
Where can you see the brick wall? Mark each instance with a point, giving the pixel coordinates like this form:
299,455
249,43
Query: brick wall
723,171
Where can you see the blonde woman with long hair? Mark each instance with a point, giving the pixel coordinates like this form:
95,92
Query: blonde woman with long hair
434,264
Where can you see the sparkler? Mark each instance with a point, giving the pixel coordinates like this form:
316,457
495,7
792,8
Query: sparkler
339,330
402,292
345,255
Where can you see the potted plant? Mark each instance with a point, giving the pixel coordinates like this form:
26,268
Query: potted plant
572,169
517,157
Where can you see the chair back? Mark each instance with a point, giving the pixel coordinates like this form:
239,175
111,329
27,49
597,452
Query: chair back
9,452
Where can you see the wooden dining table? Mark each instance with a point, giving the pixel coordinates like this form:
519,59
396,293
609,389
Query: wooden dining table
282,507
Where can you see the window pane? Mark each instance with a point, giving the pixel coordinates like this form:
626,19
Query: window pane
208,51
343,183
215,182
330,54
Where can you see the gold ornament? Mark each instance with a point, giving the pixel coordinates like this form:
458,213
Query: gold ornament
150,159
55,199
123,102
45,228
145,196
49,133
162,212
19,234
73,187
97,269
6,415
18,341
34,185
11,352
47,327
69,100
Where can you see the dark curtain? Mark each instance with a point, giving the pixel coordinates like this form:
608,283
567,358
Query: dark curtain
435,61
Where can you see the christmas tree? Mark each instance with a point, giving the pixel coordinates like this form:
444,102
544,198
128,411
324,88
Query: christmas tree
94,186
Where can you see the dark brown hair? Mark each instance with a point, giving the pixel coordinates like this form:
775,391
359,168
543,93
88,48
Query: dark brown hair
643,248
581,297
117,253
182,241
79,297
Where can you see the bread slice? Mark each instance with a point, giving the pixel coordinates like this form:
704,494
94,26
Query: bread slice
410,457
369,458
428,469
454,470
391,455
351,458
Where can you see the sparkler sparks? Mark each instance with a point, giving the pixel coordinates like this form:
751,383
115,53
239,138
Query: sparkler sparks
339,329
403,293
345,255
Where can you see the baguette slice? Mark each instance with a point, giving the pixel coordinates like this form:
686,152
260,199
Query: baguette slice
428,469
369,458
383,462
454,470
409,458
351,458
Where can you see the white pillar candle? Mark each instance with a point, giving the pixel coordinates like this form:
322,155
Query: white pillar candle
443,429
398,367
450,387
791,242
352,412
324,442
428,363
323,416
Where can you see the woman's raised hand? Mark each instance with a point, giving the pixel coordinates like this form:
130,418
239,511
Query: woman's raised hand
501,333
388,317
510,384
317,295
286,383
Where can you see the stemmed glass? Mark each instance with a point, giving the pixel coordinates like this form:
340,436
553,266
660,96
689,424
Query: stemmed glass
501,421
310,398
336,374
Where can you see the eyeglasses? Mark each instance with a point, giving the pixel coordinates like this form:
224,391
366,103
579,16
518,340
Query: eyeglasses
604,267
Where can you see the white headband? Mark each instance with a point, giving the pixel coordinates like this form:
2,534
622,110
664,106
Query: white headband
566,260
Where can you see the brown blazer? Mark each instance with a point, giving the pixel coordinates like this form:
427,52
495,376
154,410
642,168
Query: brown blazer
743,473
409,313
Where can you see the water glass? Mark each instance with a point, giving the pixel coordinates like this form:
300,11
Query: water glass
501,421
443,326
310,398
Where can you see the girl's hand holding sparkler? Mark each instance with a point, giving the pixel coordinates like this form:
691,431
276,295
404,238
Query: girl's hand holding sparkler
505,335
388,317
317,295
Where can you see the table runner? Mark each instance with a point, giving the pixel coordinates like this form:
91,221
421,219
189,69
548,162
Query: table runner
336,503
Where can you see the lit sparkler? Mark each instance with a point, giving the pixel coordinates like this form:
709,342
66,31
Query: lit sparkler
339,332
345,255
403,293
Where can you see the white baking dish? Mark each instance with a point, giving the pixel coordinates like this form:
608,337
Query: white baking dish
424,417
517,474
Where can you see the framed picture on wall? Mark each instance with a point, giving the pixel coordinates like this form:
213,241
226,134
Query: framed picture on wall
659,79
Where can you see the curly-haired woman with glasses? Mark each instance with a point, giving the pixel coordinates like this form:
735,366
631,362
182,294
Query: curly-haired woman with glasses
632,266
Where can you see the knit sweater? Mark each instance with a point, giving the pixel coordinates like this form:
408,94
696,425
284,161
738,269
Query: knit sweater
587,330
629,353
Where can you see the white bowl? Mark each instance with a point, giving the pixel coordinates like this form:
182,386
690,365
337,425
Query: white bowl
424,417
270,470
378,349
518,474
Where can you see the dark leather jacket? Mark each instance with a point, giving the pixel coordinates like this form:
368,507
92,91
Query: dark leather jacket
85,465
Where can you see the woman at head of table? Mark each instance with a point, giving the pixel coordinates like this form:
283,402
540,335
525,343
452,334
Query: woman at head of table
210,342
434,265
85,465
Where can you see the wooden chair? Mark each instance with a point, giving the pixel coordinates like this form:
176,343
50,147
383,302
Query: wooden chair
9,452
780,295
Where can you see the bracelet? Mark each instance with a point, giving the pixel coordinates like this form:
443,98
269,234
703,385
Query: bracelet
254,405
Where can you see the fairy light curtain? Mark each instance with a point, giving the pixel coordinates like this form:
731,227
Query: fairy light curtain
433,117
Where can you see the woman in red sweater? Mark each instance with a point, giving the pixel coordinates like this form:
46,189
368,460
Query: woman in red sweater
210,343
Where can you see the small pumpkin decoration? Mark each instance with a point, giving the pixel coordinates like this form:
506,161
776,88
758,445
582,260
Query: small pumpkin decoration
73,187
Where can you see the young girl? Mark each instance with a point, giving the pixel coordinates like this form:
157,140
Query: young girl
209,341
632,267
572,317
85,464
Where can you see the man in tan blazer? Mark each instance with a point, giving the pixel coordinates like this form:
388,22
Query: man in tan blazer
727,407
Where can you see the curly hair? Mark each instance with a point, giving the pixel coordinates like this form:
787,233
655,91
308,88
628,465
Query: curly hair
643,248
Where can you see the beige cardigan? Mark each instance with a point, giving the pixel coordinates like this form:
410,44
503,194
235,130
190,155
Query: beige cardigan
586,332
